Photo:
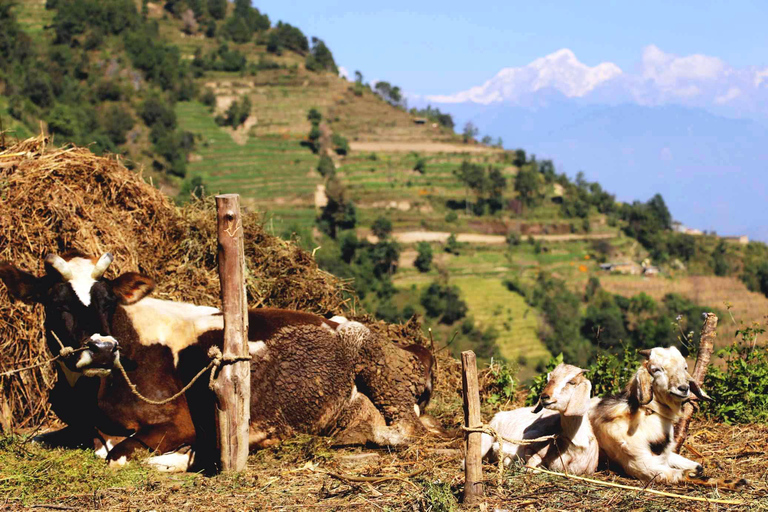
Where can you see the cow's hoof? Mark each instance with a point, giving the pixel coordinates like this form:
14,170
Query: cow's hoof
118,463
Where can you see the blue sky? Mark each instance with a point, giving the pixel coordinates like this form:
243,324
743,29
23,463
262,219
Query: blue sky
432,47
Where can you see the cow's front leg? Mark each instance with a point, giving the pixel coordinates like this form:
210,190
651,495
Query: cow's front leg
67,437
158,439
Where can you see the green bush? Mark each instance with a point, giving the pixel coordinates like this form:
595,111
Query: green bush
423,261
421,166
382,227
452,246
326,167
116,123
443,301
340,144
740,390
237,113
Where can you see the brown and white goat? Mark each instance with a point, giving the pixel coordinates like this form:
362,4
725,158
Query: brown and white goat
636,429
562,410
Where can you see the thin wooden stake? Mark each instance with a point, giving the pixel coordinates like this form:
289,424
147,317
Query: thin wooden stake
473,469
233,383
706,345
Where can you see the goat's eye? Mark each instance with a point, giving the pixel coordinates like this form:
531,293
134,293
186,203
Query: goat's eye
655,369
572,383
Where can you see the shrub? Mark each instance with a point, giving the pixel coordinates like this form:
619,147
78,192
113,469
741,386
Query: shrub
208,98
116,123
217,8
421,166
423,261
501,382
382,227
451,217
314,116
340,144
740,390
340,212
444,302
156,110
452,245
237,113
326,167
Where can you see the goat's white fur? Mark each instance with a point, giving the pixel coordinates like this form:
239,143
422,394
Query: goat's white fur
567,401
627,427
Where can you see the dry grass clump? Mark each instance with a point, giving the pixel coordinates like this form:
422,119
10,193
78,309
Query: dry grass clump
60,199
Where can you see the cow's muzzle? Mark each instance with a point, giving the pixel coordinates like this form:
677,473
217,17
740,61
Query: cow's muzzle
99,356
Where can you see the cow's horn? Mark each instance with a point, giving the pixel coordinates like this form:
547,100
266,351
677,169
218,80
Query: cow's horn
60,264
645,353
102,265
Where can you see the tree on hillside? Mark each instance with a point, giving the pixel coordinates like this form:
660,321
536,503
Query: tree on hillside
474,178
382,227
340,212
443,301
217,8
284,35
423,261
470,132
528,187
320,58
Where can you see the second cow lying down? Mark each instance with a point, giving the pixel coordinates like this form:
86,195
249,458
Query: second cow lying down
308,374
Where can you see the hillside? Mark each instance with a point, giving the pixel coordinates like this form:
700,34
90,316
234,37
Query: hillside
200,102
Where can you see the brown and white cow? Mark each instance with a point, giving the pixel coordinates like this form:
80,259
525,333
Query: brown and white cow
305,369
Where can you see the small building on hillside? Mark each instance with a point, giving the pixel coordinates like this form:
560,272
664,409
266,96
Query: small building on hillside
651,271
743,239
623,267
557,193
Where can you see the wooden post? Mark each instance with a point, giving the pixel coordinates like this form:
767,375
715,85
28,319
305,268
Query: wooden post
706,345
473,469
233,383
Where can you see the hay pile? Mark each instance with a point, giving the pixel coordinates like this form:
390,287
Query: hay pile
59,199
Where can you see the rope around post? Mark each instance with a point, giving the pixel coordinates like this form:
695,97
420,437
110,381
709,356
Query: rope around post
217,360
487,429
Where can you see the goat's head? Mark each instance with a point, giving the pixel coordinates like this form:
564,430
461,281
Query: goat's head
567,391
664,376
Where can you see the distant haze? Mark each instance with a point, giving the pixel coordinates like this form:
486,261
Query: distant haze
690,127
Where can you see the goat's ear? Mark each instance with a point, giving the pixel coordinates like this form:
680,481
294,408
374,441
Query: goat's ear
132,287
578,405
21,285
539,407
700,394
641,386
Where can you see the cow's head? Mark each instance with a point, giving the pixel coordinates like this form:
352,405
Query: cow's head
79,305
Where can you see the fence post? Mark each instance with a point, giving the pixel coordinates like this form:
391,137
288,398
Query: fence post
233,383
706,345
473,469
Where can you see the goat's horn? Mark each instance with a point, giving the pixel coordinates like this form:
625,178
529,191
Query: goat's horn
102,265
645,352
60,264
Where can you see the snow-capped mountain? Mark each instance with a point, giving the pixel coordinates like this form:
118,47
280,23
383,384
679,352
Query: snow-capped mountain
660,79
691,127
561,71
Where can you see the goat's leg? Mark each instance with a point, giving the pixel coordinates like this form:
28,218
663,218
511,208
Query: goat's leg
695,475
656,468
680,462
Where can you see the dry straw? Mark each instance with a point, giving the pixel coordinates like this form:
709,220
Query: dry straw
57,199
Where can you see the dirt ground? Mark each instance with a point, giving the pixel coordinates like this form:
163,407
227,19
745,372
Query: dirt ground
419,147
306,473
412,237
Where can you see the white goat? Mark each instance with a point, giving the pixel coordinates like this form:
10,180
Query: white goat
566,398
636,428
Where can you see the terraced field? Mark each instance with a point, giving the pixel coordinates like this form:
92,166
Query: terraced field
493,305
33,16
264,170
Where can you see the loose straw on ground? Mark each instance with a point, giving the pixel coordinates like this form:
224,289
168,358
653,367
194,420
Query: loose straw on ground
641,489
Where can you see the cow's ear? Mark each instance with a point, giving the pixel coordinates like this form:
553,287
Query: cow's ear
21,285
131,287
